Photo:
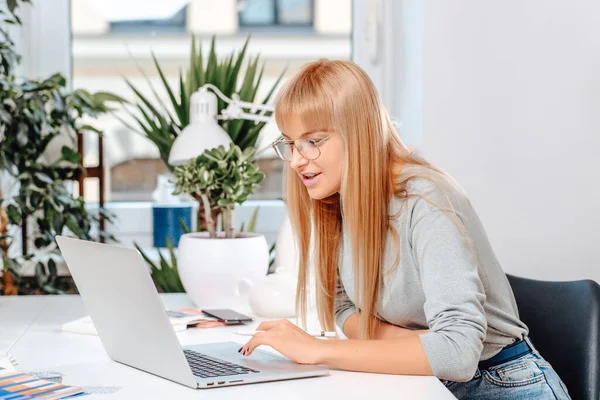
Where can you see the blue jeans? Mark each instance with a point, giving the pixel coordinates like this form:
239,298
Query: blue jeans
528,377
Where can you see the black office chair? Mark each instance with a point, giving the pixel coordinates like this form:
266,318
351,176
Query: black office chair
564,324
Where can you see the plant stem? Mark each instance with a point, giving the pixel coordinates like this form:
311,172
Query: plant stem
210,223
228,221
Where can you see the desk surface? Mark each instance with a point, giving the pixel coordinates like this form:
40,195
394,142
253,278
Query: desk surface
36,321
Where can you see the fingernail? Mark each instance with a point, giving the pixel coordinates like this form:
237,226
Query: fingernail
240,350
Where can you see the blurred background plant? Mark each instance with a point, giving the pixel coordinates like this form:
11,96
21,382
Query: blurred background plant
161,123
39,124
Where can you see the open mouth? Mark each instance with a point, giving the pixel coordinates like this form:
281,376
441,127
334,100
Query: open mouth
309,177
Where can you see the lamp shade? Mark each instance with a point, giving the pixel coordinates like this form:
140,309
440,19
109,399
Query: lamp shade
203,132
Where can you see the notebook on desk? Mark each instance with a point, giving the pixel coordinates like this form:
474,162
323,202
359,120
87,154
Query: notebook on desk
135,330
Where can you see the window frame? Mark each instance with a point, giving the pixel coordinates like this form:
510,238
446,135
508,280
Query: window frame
276,23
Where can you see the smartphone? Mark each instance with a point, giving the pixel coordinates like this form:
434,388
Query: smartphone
228,316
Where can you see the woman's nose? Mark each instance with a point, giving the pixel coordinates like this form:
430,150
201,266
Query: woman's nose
297,160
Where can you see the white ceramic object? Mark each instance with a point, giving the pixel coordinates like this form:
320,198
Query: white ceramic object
272,297
209,268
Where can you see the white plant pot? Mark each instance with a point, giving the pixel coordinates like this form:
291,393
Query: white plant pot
210,267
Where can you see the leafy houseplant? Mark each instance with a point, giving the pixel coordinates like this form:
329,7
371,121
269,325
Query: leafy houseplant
211,264
34,117
161,123
218,179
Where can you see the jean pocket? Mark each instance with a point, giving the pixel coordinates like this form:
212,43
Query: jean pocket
520,372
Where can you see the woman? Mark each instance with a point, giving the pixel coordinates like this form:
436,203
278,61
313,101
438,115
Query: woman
402,263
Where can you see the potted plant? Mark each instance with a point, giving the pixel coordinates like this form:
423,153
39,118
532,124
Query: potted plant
211,263
36,116
161,123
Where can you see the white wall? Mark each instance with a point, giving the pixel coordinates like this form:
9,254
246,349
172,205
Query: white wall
510,99
505,96
45,40
512,110
387,42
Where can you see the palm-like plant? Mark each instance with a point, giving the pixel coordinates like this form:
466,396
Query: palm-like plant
161,123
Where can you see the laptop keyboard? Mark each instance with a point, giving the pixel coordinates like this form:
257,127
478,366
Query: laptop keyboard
209,367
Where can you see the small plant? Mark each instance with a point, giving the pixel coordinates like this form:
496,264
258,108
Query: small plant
218,179
166,277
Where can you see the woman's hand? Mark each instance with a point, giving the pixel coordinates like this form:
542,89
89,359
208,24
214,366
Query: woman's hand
288,339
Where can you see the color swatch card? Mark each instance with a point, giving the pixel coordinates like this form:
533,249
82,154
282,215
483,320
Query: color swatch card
16,385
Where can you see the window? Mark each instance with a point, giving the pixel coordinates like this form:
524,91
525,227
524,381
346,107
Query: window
114,39
173,23
254,13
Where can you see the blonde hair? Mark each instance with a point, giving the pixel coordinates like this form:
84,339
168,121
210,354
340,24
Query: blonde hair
339,95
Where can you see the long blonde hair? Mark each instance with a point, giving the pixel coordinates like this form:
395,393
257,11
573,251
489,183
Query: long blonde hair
339,95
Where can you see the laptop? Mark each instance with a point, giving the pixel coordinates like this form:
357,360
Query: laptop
132,323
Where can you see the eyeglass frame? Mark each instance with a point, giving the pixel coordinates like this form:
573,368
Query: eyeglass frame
293,143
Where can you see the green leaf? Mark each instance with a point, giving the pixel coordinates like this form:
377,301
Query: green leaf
183,226
163,107
178,107
246,94
44,178
172,281
50,214
68,154
211,65
12,5
144,256
192,79
40,274
52,267
102,97
59,222
185,111
156,114
233,73
253,220
14,215
171,252
73,226
199,68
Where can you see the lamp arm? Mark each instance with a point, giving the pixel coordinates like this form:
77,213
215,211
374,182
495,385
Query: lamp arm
235,110
236,103
236,106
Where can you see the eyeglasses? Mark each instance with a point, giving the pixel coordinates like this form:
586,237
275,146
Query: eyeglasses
308,148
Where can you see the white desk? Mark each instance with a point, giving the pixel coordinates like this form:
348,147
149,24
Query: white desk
81,358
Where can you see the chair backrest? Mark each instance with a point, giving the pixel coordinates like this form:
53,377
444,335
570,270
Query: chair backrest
564,324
